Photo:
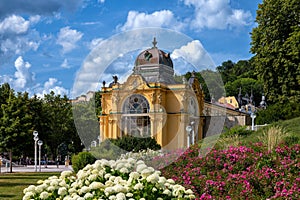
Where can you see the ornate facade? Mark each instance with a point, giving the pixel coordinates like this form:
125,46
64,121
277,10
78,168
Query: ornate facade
151,104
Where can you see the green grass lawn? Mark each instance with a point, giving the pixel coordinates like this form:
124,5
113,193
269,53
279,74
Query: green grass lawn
13,184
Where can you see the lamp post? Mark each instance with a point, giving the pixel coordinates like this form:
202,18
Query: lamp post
99,139
253,117
190,133
40,143
35,138
188,130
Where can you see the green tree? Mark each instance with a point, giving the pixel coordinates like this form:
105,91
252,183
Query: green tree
15,124
226,71
57,124
276,45
247,85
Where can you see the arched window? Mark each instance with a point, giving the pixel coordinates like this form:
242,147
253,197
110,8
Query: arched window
135,118
136,103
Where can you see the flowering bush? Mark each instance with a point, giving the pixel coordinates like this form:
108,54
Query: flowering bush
240,172
121,179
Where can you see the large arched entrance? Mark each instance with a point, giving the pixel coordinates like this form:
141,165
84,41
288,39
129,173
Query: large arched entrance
135,119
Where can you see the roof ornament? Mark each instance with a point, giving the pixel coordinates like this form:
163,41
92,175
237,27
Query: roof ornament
154,42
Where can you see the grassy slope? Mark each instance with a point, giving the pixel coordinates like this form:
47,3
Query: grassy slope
12,185
292,126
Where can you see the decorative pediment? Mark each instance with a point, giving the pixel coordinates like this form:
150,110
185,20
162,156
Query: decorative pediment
135,82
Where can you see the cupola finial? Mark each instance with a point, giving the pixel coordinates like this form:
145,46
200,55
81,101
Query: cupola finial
154,42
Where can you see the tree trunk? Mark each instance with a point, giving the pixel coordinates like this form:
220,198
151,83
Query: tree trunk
10,160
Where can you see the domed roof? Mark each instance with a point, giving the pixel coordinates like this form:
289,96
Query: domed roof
154,56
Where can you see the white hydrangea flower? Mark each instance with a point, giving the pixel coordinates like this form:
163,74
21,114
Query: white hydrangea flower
147,171
112,197
65,174
138,186
44,195
167,192
86,182
129,194
112,163
119,188
121,196
88,195
51,188
134,175
109,190
30,188
104,163
96,185
54,182
81,174
153,178
39,188
109,183
72,190
141,167
63,183
142,199
171,181
106,176
84,189
28,195
62,191
139,162
124,170
120,166
40,182
189,191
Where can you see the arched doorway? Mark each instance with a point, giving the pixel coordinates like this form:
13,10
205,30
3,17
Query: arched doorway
135,118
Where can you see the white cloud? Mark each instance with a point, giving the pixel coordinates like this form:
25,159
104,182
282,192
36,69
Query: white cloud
16,37
217,14
22,78
101,1
194,53
51,85
35,19
14,25
65,64
163,18
68,38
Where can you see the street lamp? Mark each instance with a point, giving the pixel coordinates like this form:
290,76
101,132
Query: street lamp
40,143
190,134
253,117
36,138
188,129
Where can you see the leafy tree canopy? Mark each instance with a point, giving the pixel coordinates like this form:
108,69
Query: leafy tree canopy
276,45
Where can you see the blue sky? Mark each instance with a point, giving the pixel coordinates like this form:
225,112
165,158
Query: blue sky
45,44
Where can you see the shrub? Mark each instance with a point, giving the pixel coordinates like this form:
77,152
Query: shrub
107,150
135,144
81,160
278,111
236,131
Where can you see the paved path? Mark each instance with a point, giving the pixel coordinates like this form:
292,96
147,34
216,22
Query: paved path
30,168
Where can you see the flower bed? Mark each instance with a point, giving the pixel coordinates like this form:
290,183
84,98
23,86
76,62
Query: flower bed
240,172
121,179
